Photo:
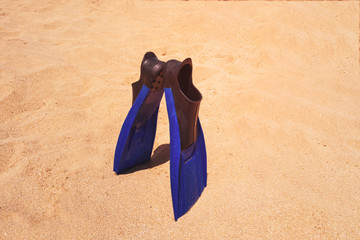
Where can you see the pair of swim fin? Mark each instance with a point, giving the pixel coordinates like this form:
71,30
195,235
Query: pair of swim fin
188,165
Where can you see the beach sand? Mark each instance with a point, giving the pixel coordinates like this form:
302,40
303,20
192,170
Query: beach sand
280,113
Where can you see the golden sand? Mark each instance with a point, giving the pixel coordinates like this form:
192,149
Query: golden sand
280,113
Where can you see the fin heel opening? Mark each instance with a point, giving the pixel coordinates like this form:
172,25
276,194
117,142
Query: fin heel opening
186,85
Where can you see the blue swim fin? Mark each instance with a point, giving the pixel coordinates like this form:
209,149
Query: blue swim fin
137,134
188,164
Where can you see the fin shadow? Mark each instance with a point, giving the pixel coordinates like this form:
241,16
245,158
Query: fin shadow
160,156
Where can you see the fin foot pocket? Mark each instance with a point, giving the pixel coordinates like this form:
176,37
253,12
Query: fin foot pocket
157,82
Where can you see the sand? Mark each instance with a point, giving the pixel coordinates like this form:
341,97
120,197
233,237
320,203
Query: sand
280,113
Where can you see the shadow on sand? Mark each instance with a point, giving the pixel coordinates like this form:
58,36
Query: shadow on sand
160,156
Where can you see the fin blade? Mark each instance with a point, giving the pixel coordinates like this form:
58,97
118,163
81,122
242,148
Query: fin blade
175,150
134,145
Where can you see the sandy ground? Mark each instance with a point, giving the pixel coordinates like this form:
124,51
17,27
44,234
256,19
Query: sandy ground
280,113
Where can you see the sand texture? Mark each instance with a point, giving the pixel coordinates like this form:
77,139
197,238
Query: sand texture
280,113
